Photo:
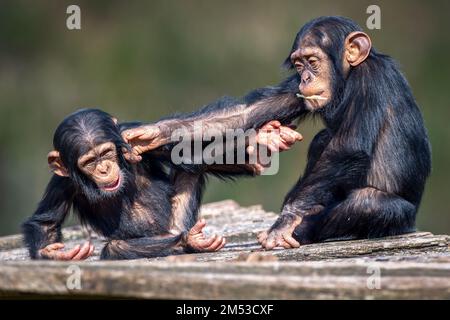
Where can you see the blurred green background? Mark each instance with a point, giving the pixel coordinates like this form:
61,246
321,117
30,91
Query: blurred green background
146,59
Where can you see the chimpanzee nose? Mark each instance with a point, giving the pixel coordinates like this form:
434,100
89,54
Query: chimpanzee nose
306,77
103,168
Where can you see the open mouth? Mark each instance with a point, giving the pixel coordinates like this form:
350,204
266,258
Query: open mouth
312,97
113,186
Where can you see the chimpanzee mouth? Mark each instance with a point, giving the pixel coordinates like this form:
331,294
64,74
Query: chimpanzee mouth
113,186
312,97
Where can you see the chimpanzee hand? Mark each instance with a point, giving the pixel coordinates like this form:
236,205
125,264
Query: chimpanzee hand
142,139
53,252
276,138
197,242
280,234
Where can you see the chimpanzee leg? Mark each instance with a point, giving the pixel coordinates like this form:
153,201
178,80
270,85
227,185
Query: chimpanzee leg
318,144
366,213
145,247
186,201
189,183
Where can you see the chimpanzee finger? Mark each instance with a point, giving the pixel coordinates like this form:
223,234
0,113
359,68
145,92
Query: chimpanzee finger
288,136
198,227
208,242
271,125
262,236
290,129
258,168
298,136
281,145
55,246
131,157
284,244
83,252
138,150
284,146
131,134
275,123
68,255
273,147
89,253
222,244
292,242
91,250
264,244
280,243
215,245
270,243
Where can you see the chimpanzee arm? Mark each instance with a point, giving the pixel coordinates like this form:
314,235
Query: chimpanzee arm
240,154
44,226
220,170
333,176
252,111
189,187
327,182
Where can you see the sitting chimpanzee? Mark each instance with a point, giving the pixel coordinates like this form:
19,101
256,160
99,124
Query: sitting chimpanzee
366,170
144,209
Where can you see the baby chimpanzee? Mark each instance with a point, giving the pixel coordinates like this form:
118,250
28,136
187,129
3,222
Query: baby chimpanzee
144,209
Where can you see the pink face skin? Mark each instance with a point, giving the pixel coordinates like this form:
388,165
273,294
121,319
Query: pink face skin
314,68
101,165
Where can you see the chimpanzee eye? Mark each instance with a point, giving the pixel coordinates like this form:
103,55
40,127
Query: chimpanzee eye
89,163
299,66
314,63
108,154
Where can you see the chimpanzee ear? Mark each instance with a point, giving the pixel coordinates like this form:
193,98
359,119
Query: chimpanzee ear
56,165
114,120
357,47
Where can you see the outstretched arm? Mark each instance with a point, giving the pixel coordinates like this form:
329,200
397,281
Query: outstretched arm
42,231
252,111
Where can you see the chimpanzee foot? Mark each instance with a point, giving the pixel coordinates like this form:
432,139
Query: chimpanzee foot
280,234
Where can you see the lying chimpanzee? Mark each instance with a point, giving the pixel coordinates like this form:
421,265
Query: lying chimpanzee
144,209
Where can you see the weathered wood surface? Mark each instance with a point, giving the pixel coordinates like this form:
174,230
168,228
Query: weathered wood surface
411,266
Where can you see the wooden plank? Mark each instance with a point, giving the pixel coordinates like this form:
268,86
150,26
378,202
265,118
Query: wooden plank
416,243
415,265
267,280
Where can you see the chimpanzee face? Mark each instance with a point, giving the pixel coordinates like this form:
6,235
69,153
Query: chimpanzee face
88,150
323,62
100,165
314,68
